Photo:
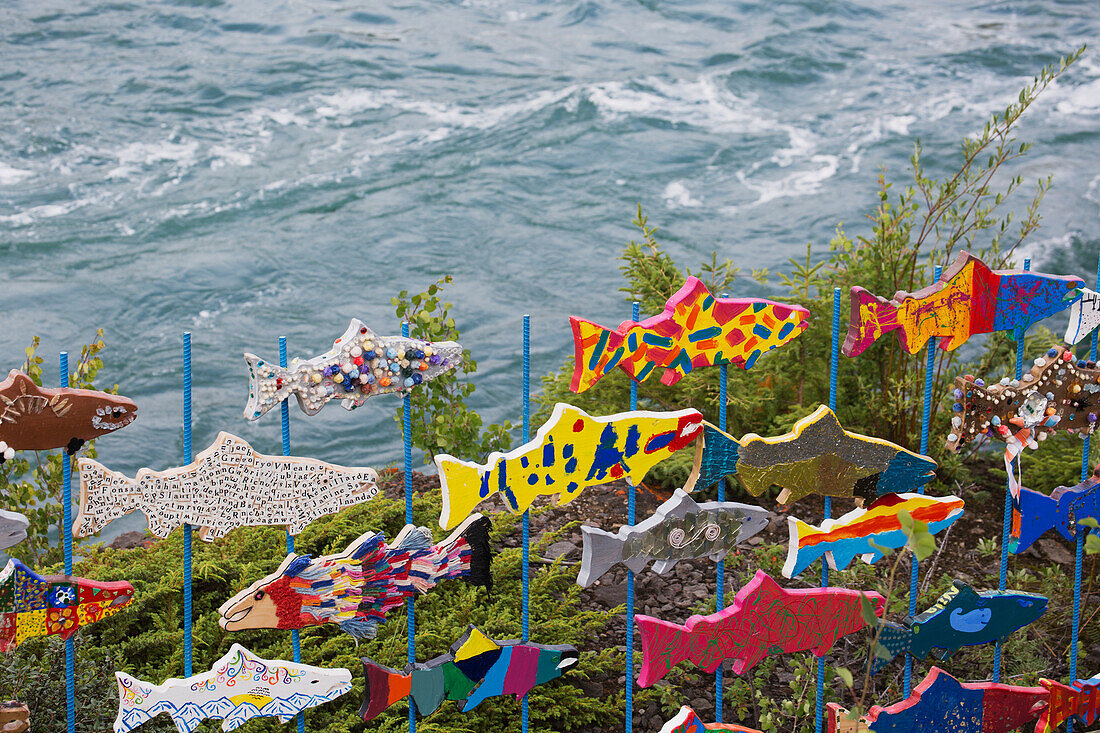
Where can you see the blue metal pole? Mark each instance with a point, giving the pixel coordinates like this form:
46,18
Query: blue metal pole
284,413
819,716
187,628
1079,555
67,540
410,609
526,515
629,723
926,416
723,377
1007,522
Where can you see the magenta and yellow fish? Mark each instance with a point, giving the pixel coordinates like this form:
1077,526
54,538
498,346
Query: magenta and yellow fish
695,330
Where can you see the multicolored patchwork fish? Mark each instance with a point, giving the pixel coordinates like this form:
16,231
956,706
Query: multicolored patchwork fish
42,605
942,704
1062,510
695,330
360,365
861,532
817,457
37,418
961,617
763,619
356,588
679,529
476,668
570,451
241,686
969,299
686,721
1080,701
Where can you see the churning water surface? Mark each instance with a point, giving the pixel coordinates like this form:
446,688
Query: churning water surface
248,169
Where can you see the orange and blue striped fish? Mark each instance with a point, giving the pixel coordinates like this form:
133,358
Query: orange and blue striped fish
696,329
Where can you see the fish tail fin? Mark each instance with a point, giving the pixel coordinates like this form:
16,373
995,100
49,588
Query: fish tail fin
664,645
463,486
104,495
716,457
1032,516
896,640
384,687
871,318
602,551
596,351
799,555
469,544
265,375
133,699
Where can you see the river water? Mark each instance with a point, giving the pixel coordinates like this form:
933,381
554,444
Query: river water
246,170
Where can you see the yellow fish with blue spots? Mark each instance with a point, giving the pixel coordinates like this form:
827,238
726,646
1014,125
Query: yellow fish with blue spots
570,451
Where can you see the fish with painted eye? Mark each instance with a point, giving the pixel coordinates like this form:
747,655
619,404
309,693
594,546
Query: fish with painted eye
961,617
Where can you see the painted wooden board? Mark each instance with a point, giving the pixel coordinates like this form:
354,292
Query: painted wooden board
696,329
357,587
241,686
42,605
1084,317
1080,701
1038,513
15,717
817,457
961,617
679,529
856,533
686,721
360,365
13,530
571,451
969,299
38,418
475,669
1058,393
942,704
228,485
763,619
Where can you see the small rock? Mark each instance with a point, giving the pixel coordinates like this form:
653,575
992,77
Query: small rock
562,549
128,541
1055,552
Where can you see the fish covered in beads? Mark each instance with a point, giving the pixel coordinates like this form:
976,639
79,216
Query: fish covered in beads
969,299
360,364
42,605
357,587
696,329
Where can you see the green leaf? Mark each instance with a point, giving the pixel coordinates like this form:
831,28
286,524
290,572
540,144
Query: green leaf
845,676
867,611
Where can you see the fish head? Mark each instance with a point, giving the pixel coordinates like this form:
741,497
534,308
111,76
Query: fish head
271,602
109,412
13,528
554,661
317,681
1025,607
96,600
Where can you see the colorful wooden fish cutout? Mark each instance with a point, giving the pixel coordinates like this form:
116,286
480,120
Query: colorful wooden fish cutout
1058,393
42,605
37,418
13,530
696,329
1062,510
1084,316
686,721
475,669
356,588
763,619
969,299
817,457
942,704
1080,701
228,485
680,529
241,686
571,451
961,617
858,532
361,364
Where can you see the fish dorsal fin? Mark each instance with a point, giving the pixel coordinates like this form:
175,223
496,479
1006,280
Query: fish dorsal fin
295,567
964,591
364,544
476,643
414,538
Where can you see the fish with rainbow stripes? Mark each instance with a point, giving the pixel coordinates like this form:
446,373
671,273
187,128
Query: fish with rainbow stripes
696,329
